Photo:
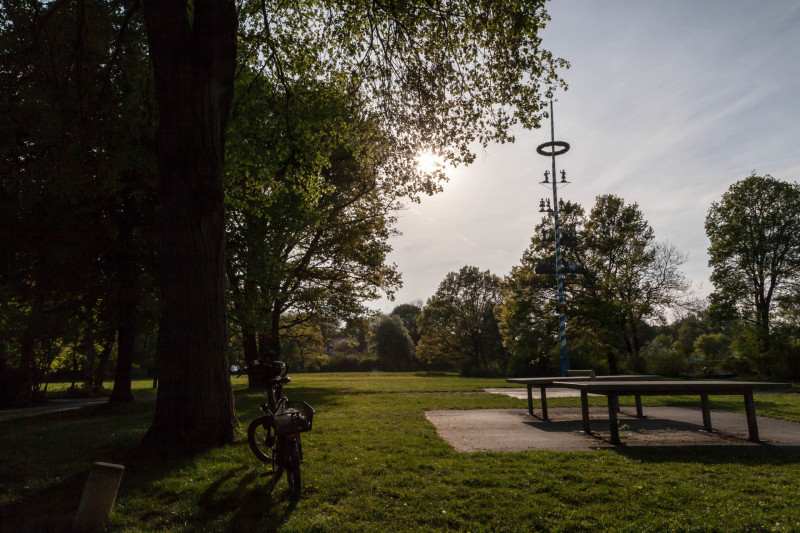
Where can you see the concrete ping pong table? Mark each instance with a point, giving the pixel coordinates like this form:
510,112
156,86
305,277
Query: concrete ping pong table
613,389
543,383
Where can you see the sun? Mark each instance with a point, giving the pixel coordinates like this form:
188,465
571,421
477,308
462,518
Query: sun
427,161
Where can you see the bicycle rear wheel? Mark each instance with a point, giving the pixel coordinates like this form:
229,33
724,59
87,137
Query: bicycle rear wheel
261,438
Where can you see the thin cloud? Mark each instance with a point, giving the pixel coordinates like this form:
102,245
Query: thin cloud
669,104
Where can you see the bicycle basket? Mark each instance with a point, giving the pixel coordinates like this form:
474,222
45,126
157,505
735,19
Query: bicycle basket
295,418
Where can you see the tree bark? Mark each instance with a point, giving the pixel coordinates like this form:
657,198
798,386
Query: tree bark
249,344
129,300
636,350
126,335
27,360
612,362
250,348
193,62
762,314
102,363
269,349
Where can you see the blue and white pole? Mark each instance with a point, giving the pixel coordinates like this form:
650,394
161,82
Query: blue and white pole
557,148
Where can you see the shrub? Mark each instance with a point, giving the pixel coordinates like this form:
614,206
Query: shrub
665,357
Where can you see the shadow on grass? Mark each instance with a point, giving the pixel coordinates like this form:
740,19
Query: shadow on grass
50,509
256,504
763,454
45,461
248,400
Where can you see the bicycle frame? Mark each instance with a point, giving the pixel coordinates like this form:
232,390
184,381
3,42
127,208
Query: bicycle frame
282,449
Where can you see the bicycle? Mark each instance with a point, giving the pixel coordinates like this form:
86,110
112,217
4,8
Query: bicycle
274,437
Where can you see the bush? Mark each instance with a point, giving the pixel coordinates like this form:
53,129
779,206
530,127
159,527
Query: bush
526,366
664,357
585,355
369,364
471,369
340,362
713,349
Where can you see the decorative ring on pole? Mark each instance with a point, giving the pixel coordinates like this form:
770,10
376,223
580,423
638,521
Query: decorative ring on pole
564,148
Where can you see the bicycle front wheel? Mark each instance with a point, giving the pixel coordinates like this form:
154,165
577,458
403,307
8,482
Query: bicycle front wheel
261,438
293,471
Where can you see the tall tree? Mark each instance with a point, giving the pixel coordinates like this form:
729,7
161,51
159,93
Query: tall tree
393,344
755,248
458,323
193,51
408,314
309,214
439,76
627,278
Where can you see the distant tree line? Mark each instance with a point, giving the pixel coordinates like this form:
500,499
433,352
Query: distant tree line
629,306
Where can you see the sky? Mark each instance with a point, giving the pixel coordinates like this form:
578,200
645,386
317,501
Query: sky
669,104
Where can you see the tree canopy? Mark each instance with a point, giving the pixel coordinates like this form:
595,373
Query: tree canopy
393,344
309,215
408,314
458,324
755,249
77,209
627,278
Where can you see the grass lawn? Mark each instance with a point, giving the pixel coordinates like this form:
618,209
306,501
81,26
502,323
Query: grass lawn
374,463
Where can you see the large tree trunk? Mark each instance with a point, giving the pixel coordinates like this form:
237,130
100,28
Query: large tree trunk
612,362
27,360
243,304
762,321
102,362
274,337
249,344
193,62
637,364
126,336
250,348
129,300
269,348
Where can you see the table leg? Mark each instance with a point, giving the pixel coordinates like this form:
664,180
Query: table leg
639,412
544,403
704,405
530,400
613,407
750,409
585,412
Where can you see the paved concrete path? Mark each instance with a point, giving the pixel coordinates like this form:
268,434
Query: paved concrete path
516,430
53,406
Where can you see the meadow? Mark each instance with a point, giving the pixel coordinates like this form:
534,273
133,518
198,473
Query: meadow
374,463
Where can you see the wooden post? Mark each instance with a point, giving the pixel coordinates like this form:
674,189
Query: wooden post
639,412
98,497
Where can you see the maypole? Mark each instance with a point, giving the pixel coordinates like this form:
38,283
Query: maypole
557,148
